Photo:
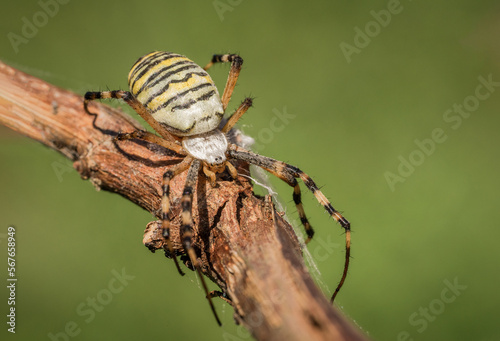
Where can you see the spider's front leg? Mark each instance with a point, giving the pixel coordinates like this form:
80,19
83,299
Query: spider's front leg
187,232
236,64
168,140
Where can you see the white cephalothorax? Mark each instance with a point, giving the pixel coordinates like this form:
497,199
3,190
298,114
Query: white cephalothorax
209,147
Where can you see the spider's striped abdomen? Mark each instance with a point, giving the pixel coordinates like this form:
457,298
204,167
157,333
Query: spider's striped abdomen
178,93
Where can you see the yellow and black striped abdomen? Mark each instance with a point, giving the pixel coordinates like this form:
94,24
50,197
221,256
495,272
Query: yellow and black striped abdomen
178,93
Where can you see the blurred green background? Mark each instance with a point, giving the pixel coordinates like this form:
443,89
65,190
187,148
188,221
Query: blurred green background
360,82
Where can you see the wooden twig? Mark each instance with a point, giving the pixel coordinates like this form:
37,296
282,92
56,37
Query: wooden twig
246,247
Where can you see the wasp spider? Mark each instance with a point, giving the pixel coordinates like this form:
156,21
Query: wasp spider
179,100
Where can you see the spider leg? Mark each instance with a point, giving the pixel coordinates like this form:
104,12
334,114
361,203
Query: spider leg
270,165
247,103
216,293
289,173
139,108
232,170
165,206
210,175
148,137
234,72
334,213
187,228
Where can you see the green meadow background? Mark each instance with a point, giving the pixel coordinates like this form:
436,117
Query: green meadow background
392,107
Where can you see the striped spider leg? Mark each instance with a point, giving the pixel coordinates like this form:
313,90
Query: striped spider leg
290,174
236,64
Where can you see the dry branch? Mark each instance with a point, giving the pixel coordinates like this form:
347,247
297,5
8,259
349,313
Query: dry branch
245,245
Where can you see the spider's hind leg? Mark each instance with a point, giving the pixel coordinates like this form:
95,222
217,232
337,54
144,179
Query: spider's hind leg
165,207
297,199
289,174
278,169
187,228
334,213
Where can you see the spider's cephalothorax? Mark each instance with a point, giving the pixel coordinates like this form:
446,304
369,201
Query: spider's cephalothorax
181,103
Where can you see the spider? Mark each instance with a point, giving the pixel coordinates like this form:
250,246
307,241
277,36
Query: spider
179,100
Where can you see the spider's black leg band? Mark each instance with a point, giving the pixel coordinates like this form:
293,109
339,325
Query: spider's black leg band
187,228
289,173
95,95
300,208
225,58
